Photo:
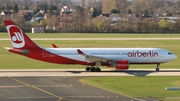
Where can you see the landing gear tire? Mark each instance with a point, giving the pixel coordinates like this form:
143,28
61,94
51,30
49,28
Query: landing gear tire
88,69
98,70
93,69
157,69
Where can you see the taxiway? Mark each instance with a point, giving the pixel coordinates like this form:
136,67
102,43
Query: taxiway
65,85
55,89
82,72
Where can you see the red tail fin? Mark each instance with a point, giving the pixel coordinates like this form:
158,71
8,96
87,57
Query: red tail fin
18,38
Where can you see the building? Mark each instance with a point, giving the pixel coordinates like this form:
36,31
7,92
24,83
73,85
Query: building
38,16
6,13
66,18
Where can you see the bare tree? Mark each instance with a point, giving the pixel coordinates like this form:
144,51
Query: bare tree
107,6
163,7
139,6
52,22
120,5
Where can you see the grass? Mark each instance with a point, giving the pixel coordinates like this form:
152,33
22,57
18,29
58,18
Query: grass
139,87
95,35
10,61
131,86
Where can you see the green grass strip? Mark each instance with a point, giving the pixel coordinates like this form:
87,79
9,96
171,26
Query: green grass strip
95,35
139,87
13,61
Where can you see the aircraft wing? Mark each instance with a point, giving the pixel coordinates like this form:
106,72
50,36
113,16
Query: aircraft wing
92,58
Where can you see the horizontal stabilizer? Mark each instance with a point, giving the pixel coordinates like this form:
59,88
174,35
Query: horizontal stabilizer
19,51
8,48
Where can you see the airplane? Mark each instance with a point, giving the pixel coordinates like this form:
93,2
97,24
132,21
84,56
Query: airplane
119,58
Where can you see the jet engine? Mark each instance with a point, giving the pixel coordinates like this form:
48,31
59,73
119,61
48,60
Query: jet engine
122,64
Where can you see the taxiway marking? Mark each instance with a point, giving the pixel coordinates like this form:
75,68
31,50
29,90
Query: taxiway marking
42,90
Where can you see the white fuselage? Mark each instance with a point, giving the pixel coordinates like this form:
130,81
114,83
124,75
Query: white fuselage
133,55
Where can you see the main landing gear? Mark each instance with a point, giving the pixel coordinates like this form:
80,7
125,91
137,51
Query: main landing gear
157,68
93,69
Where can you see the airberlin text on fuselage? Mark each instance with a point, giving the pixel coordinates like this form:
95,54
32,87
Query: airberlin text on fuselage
142,54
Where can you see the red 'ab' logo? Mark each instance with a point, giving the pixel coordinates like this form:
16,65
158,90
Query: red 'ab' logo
16,35
17,38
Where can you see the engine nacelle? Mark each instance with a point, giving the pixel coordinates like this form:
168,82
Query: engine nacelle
123,64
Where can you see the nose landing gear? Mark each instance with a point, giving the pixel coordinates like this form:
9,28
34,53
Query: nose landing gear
157,68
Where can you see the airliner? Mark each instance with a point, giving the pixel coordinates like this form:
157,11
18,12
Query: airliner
118,58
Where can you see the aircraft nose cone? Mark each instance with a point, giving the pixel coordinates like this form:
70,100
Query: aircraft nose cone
175,56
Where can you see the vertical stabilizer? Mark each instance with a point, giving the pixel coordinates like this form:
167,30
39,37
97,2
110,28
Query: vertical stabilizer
18,38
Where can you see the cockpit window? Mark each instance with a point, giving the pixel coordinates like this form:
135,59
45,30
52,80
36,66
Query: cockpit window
169,53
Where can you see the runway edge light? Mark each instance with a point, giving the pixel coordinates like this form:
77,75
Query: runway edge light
172,88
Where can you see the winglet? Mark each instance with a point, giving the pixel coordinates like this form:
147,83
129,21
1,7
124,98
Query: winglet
54,46
79,51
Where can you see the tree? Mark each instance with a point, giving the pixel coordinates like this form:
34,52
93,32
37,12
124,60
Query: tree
51,20
28,16
165,24
146,12
2,8
36,11
129,11
42,23
114,11
120,6
169,13
107,6
26,8
101,24
80,17
52,7
139,6
176,26
94,13
74,25
15,8
43,7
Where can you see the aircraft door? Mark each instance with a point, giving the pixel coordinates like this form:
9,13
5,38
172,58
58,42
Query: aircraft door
160,56
44,53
